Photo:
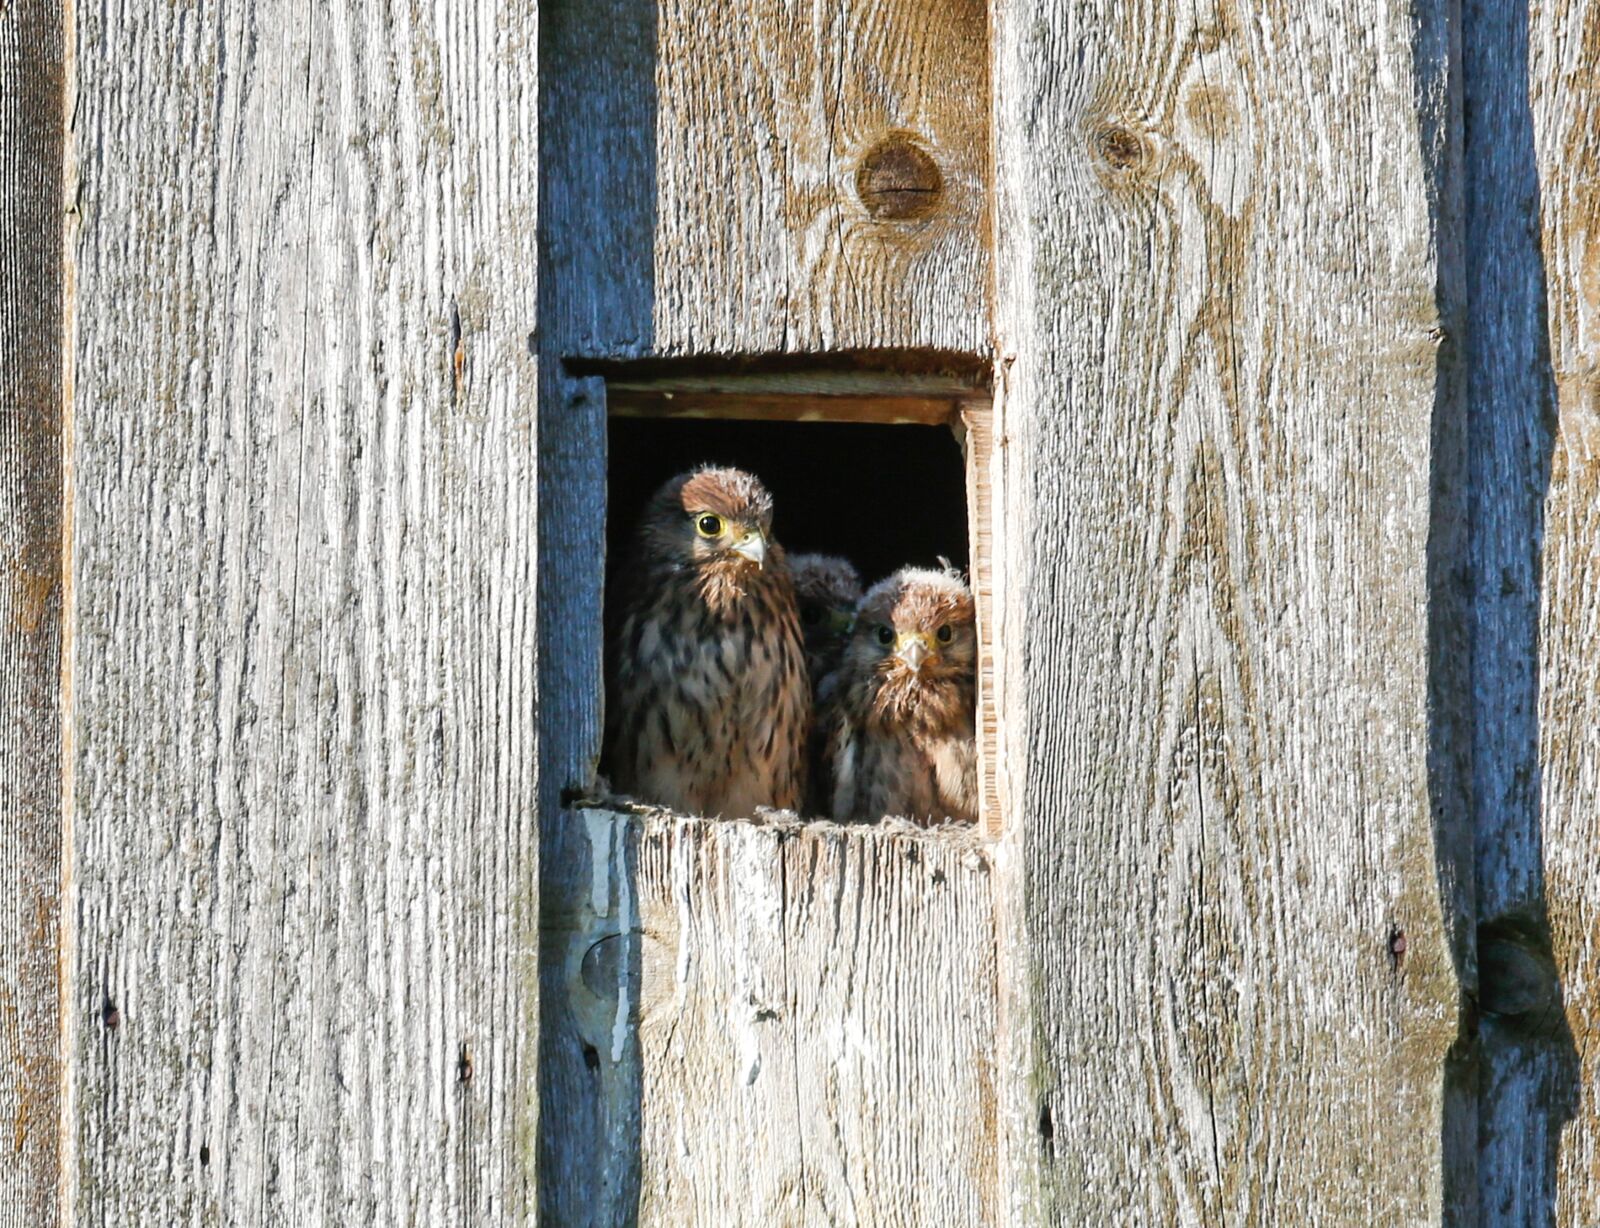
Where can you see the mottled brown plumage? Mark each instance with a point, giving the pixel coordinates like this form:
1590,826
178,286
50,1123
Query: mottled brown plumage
898,713
826,589
709,707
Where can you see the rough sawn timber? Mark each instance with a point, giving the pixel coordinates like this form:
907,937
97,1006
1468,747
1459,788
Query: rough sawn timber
31,596
1222,286
814,1008
302,652
765,116
1533,81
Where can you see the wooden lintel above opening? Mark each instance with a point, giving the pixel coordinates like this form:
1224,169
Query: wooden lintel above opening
639,402
832,393
790,396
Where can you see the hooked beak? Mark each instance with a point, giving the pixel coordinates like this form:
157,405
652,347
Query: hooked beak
753,547
840,622
914,647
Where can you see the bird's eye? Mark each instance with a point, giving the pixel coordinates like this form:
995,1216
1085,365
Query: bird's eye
810,615
709,525
885,636
943,634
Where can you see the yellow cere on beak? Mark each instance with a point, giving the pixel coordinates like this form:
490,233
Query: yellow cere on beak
753,546
915,647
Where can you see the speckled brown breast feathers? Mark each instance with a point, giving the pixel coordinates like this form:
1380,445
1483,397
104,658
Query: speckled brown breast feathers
709,706
897,721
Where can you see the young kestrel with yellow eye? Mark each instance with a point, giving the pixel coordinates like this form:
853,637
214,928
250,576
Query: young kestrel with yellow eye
898,732
709,707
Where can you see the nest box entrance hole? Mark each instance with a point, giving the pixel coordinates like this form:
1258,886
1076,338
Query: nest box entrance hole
884,468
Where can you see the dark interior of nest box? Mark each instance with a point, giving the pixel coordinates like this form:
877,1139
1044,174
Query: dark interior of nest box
878,477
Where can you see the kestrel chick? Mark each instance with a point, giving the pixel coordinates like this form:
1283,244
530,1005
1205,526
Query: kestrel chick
709,707
898,721
827,589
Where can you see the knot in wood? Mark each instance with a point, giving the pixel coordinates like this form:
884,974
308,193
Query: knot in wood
1121,148
898,180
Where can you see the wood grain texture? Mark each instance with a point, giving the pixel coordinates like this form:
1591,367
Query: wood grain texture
698,198
765,114
596,202
651,403
1219,324
977,425
31,74
1534,154
814,1012
303,660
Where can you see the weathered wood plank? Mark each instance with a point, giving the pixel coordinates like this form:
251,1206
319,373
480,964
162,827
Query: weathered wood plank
977,424
596,201
31,73
1220,297
652,403
699,199
303,656
814,1013
1534,154
822,175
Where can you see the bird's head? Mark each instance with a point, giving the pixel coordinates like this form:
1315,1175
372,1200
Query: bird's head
715,522
915,641
826,589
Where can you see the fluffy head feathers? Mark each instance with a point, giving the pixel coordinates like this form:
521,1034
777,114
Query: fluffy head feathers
898,723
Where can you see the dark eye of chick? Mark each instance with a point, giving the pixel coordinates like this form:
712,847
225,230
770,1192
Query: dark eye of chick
943,634
709,525
810,615
885,636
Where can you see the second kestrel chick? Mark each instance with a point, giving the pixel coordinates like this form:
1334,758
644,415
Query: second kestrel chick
827,589
898,721
709,706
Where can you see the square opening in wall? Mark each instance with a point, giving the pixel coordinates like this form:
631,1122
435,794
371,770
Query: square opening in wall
866,489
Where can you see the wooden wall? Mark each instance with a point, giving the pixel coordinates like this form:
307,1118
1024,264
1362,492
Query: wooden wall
31,600
1223,303
302,677
1295,498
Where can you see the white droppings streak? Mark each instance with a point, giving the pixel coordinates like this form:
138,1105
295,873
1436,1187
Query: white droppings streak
600,826
619,1025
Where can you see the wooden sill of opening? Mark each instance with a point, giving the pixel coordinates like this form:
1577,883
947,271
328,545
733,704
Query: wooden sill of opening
732,969
881,397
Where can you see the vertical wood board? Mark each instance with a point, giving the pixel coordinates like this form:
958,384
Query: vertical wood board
977,424
1565,100
596,203
822,176
813,1009
31,73
1220,304
303,652
1535,218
